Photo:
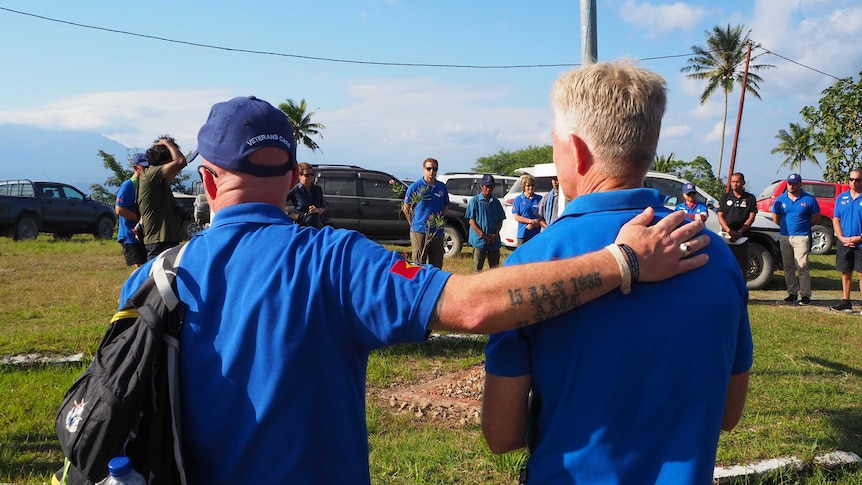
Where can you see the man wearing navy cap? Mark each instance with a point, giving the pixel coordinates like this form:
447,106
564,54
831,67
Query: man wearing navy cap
486,216
126,208
795,211
280,320
692,208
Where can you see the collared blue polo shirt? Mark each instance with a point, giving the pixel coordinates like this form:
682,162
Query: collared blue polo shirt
625,398
279,322
697,208
794,217
849,212
433,200
488,214
527,207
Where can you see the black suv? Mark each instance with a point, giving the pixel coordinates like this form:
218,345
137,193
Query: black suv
370,201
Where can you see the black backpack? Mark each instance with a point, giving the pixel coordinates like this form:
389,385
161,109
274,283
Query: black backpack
126,403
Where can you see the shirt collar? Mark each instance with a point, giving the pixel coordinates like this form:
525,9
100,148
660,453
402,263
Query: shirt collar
615,200
254,212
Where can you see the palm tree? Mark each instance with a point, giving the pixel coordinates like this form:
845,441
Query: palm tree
722,63
303,128
666,164
797,145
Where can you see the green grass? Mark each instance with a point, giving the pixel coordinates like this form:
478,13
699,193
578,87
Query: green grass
805,395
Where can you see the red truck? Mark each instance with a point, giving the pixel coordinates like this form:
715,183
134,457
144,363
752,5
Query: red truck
822,235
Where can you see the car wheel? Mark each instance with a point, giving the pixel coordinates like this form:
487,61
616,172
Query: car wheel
822,239
452,242
760,267
26,228
104,228
189,229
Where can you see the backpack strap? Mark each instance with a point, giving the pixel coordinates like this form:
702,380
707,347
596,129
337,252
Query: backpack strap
164,273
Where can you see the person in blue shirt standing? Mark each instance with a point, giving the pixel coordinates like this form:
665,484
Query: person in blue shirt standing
848,230
127,211
525,210
640,398
307,199
486,216
693,208
795,211
279,320
425,204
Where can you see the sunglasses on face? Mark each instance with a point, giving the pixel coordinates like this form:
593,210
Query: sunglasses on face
529,185
855,180
307,174
431,169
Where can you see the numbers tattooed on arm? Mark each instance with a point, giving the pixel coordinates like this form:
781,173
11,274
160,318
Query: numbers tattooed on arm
559,297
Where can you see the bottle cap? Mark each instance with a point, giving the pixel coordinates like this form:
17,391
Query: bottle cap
119,466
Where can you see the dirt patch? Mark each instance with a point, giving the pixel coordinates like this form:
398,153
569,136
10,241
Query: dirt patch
455,397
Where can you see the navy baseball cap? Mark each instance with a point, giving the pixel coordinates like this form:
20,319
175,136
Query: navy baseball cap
688,188
237,128
794,178
488,180
141,159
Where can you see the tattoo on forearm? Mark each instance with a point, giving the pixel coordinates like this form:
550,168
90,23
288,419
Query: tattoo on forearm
560,297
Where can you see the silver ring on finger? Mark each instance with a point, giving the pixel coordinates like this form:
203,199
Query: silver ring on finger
686,249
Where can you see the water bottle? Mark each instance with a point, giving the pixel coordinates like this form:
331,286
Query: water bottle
120,472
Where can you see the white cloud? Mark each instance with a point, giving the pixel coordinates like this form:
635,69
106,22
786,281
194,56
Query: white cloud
661,19
676,131
133,118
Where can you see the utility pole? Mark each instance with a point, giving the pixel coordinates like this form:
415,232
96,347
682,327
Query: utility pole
739,117
588,32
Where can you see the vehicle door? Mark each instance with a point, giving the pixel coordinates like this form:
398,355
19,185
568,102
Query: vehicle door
79,213
380,206
55,208
342,202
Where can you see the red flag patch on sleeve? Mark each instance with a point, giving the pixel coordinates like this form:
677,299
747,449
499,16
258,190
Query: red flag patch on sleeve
406,269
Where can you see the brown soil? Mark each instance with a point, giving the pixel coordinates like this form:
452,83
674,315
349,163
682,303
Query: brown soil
455,398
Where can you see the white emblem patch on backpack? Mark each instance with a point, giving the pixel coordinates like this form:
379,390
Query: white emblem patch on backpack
73,417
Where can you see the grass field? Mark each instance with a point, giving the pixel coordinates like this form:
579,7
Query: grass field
805,397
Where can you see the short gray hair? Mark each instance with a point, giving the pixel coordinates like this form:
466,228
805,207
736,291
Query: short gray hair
616,108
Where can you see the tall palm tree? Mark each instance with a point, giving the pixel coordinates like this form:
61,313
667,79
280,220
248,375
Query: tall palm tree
797,145
722,64
303,128
667,164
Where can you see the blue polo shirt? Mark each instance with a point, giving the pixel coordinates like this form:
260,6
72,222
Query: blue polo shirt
278,326
848,210
527,207
697,208
434,199
126,198
488,214
794,217
626,398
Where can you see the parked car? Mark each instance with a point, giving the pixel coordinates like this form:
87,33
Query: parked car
823,233
28,208
189,226
370,202
763,250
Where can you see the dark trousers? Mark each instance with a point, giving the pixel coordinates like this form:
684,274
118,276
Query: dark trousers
158,248
741,253
479,255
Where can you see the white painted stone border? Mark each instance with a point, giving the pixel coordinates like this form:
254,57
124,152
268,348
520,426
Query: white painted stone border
829,460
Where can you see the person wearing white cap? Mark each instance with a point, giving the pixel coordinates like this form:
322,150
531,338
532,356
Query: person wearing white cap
795,211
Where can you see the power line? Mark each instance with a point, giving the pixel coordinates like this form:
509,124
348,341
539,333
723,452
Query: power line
353,61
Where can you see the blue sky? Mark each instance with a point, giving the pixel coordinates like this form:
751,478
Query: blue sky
130,89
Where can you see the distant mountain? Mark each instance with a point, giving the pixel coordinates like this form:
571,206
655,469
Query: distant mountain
60,156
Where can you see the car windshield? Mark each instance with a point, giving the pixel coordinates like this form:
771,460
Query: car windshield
768,191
